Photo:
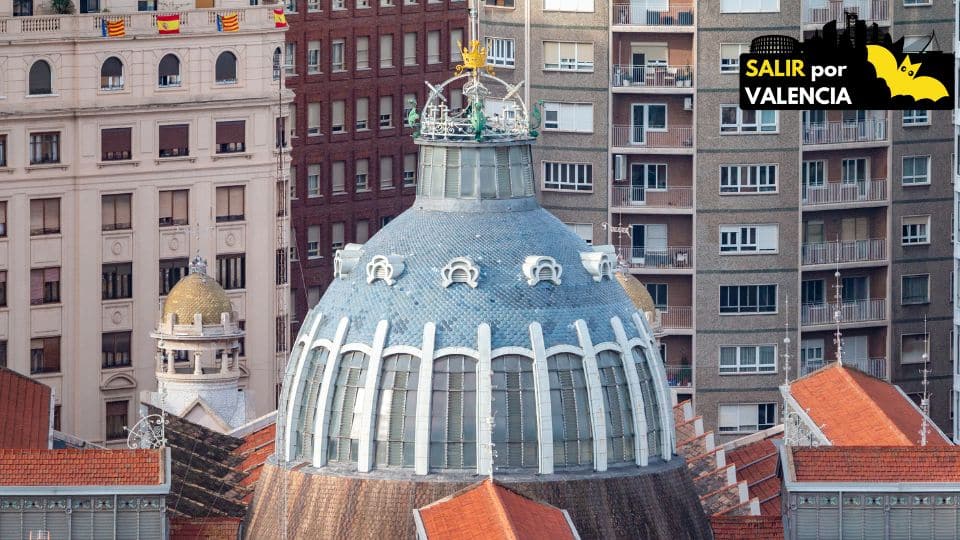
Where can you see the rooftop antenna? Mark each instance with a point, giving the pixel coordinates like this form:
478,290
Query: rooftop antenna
786,341
838,312
925,399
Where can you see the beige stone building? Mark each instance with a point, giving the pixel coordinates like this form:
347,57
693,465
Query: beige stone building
122,155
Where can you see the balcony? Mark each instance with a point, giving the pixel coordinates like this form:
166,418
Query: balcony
639,78
663,14
818,13
844,132
876,367
641,258
854,251
641,137
637,197
680,376
676,318
856,311
845,193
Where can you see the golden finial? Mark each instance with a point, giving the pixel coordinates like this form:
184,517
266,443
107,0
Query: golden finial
474,58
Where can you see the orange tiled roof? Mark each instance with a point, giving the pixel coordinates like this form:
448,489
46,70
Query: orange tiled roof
213,528
74,467
854,409
24,411
877,464
490,511
255,450
750,527
757,465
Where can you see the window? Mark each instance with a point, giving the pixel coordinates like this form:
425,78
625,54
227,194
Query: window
115,212
616,400
313,180
338,177
174,140
386,111
337,62
385,220
280,133
172,271
730,56
117,281
116,144
410,101
3,363
230,203
748,178
117,419
456,38
174,207
313,242
44,286
3,290
567,56
916,118
313,57
336,116
3,150
499,3
568,117
336,236
735,120
748,299
41,79
514,413
915,230
231,136
313,119
45,147
573,430
277,55
501,52
453,433
363,52
313,5
386,172
45,355
362,232
568,176
915,289
659,294
748,359
433,47
916,170
44,216
115,347
913,347
338,5
747,417
456,99
748,238
232,271
583,6
396,419
226,68
346,408
386,51
410,49
409,169
361,174
750,6
168,73
111,74
361,111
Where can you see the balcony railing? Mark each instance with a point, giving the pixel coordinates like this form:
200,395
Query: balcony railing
676,318
653,14
629,76
870,130
876,367
636,196
873,249
824,11
639,136
874,309
671,257
680,376
845,192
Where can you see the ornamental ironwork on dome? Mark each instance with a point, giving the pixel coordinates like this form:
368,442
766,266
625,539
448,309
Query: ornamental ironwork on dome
197,293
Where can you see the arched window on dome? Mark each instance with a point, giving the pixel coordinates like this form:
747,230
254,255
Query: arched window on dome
285,390
616,401
514,413
453,426
651,405
306,412
397,416
343,440
572,425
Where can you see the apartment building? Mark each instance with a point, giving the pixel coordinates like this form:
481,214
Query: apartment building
124,155
357,68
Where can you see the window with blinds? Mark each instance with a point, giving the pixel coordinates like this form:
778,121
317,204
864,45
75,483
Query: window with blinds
410,49
363,53
115,213
117,281
336,236
313,119
338,177
111,74
116,413
456,40
174,207
386,111
44,286
362,114
567,56
453,430
3,297
230,203
116,144
115,349
174,140
409,169
386,172
651,403
3,150
433,47
361,175
232,271
231,136
572,424
45,355
344,429
336,116
362,231
514,413
305,421
313,180
616,400
386,51
397,415
44,216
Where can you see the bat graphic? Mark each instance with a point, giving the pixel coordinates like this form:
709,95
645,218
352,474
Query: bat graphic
902,80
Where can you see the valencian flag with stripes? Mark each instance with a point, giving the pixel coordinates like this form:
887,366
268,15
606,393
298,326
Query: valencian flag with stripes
279,19
168,24
228,23
112,28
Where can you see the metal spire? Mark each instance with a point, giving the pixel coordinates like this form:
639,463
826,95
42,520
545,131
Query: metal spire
925,399
838,313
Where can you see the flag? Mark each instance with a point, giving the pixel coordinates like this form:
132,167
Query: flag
228,23
279,19
168,24
112,28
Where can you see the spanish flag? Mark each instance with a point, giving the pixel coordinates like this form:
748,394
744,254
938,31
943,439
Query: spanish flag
168,24
279,19
112,28
228,23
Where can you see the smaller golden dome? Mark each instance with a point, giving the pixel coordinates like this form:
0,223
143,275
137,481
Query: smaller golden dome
197,293
637,292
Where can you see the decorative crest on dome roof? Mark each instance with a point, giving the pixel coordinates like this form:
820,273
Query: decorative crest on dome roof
198,265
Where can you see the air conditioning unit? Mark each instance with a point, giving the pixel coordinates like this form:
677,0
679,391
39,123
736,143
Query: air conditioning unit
688,103
619,168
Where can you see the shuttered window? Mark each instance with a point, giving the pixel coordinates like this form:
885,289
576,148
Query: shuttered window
514,413
362,232
397,415
362,113
115,212
174,140
386,51
115,144
231,136
410,49
386,111
313,119
230,203
453,430
44,216
44,286
45,355
572,424
386,172
336,116
651,403
337,177
616,400
115,349
305,421
174,207
344,429
116,419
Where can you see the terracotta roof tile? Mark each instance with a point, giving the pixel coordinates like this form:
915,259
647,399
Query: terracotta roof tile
490,511
24,411
215,528
877,464
871,411
757,465
747,527
74,467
